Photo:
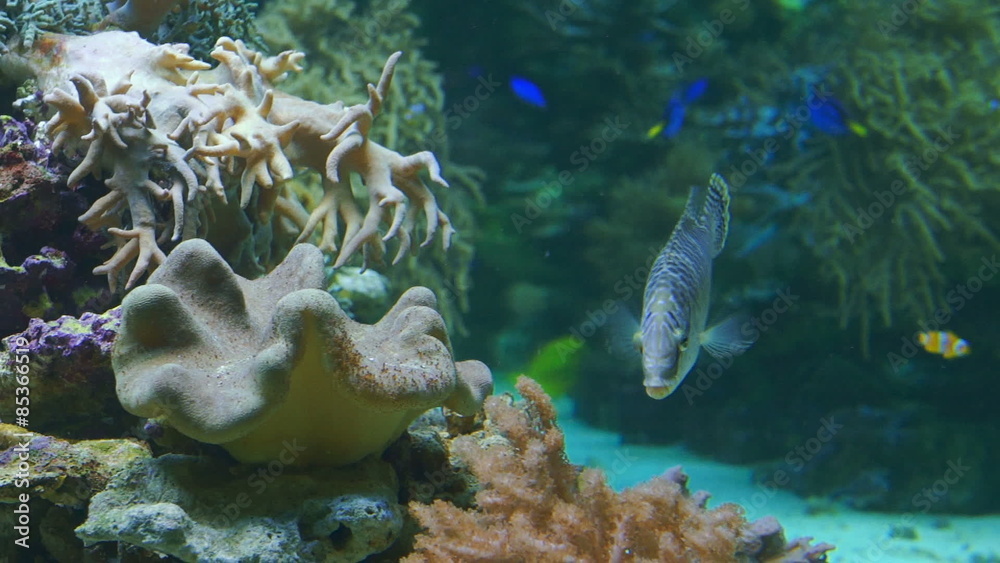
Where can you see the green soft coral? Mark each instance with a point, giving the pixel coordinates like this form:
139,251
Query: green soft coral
899,204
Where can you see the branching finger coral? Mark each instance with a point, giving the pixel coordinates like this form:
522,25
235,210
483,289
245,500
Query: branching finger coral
340,39
166,127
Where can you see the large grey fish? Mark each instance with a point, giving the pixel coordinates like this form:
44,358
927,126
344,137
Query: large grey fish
675,303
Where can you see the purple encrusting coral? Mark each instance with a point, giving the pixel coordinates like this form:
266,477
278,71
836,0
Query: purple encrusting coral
85,340
71,376
39,445
20,135
34,199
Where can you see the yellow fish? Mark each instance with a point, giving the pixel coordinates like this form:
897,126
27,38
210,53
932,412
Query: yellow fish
948,344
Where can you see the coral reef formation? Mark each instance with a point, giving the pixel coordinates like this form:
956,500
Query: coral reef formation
254,364
69,360
60,477
341,40
364,294
532,502
200,509
38,280
165,127
198,22
64,473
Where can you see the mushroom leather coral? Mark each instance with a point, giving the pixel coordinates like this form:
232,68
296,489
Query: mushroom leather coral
266,365
161,125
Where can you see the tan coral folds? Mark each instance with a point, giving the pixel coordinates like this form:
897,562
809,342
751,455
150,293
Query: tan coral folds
266,365
159,125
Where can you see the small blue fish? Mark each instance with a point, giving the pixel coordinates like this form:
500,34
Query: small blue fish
414,111
527,91
673,115
831,118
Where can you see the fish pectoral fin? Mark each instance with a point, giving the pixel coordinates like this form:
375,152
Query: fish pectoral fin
727,339
623,338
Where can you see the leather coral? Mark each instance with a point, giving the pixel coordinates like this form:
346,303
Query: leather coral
270,364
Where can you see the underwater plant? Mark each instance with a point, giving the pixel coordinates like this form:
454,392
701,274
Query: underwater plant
197,22
901,208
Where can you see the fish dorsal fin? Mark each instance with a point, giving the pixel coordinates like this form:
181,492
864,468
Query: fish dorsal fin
715,212
694,206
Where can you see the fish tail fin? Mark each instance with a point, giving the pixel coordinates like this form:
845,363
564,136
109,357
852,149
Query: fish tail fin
727,338
716,211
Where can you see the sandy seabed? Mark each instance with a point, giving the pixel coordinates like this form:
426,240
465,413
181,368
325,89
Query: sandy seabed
859,536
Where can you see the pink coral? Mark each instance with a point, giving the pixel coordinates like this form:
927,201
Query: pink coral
535,506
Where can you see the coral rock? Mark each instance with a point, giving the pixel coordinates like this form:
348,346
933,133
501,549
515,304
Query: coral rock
199,509
62,472
69,365
256,365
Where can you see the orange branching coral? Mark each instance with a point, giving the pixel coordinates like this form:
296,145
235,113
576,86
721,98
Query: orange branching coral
535,506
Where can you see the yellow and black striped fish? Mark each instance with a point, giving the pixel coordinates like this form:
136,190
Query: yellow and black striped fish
675,303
